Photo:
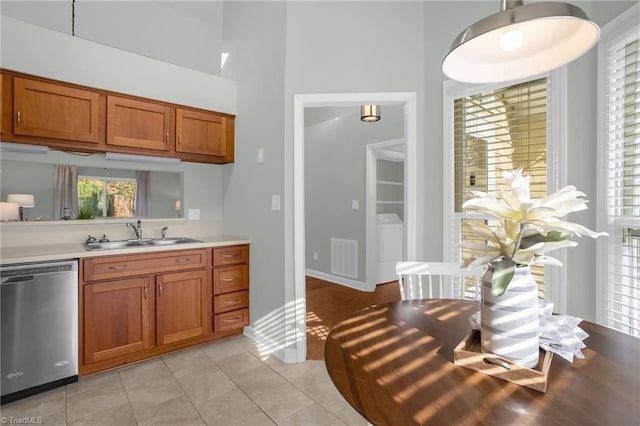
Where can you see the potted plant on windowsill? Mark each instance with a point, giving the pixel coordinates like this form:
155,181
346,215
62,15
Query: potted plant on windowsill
525,230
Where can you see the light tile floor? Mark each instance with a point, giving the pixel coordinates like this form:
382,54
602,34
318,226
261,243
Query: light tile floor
228,382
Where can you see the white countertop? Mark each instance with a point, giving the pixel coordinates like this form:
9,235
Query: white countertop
43,253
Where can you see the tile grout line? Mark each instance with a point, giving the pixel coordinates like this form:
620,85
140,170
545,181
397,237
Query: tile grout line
240,388
182,388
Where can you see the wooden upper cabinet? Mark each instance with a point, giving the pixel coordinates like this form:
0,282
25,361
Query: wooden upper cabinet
199,132
55,111
134,123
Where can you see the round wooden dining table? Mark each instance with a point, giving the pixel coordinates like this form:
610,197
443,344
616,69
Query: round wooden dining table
394,364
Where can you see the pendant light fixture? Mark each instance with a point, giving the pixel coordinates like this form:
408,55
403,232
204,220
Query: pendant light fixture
369,113
520,41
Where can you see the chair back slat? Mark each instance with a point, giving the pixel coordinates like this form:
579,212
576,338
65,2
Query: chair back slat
418,280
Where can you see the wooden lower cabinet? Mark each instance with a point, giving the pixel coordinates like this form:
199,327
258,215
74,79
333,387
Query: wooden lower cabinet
138,306
181,306
118,318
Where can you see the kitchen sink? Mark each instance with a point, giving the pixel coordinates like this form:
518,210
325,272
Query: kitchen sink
145,242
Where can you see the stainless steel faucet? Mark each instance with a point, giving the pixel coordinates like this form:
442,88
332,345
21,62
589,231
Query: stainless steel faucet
137,229
164,232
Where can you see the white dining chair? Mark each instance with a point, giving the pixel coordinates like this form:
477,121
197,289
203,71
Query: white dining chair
447,280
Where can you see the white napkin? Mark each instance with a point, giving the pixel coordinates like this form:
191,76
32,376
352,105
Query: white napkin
559,334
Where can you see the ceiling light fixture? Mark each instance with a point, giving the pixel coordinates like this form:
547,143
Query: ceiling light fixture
520,41
370,113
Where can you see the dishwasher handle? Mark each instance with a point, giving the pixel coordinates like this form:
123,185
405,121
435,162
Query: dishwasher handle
12,280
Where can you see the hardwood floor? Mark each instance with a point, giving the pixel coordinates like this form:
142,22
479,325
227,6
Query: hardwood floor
328,304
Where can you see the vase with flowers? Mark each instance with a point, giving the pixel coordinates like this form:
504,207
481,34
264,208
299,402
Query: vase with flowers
525,230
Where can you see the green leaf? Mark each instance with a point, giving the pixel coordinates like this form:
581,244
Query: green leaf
502,274
552,236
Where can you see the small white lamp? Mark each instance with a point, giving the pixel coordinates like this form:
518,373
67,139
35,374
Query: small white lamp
22,200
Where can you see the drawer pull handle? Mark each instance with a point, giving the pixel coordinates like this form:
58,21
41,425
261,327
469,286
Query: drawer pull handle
182,260
231,302
229,255
229,321
230,279
118,267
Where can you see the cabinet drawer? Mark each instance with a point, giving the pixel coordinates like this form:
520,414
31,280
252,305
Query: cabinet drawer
230,279
230,255
107,267
230,301
231,320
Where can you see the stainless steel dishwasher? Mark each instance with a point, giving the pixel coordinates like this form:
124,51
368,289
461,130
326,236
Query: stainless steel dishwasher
39,313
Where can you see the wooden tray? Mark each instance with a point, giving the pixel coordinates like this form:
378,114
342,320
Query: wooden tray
469,355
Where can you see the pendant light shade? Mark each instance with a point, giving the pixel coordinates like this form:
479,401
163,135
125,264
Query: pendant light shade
520,41
369,113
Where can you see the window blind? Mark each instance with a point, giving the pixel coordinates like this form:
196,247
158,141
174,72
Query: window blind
495,131
621,305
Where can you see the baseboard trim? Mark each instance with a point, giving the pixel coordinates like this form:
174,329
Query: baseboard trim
265,342
347,282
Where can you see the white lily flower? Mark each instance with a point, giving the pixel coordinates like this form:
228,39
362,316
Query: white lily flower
526,228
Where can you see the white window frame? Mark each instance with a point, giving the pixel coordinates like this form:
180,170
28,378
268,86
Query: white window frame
554,277
611,33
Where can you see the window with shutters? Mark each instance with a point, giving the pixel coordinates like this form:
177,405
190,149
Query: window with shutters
492,130
618,301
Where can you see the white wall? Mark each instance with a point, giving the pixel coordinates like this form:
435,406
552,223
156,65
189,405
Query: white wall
254,36
178,32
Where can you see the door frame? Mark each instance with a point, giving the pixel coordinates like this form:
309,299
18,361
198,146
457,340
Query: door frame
300,102
371,152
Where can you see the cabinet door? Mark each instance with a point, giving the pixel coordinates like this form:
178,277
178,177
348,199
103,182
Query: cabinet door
54,111
118,318
201,132
181,303
138,124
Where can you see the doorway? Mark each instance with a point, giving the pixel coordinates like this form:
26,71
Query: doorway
408,101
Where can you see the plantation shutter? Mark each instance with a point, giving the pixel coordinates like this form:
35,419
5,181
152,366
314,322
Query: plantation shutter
495,131
619,301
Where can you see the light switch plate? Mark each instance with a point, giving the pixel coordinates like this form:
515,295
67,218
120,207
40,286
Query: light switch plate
355,204
260,156
193,214
275,202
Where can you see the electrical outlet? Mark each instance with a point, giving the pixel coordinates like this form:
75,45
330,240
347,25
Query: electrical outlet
193,214
315,255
